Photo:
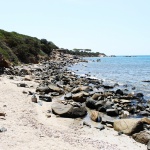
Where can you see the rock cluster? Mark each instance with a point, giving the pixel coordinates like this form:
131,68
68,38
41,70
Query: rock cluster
106,102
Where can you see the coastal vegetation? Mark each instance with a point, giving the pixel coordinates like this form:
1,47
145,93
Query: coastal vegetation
83,52
22,48
18,48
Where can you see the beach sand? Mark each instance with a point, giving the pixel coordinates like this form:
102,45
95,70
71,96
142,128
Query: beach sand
29,128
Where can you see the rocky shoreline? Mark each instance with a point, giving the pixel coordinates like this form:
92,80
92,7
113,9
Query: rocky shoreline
71,96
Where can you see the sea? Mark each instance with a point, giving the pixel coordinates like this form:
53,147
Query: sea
129,72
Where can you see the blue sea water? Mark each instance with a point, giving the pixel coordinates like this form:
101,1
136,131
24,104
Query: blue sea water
129,71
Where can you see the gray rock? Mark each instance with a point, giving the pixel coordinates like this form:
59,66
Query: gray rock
142,137
106,119
78,112
60,109
22,85
148,145
3,129
91,103
54,88
108,86
45,98
144,113
44,89
68,110
120,92
86,124
100,127
68,96
55,94
112,112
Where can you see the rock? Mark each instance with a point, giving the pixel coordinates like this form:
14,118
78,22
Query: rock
108,85
108,105
79,89
139,95
44,89
95,116
144,113
25,72
100,104
112,112
84,88
3,129
145,120
54,88
11,77
90,103
101,109
86,124
106,119
79,97
100,127
45,98
3,62
124,101
96,96
148,145
27,78
55,94
2,114
109,125
76,90
22,85
47,114
120,133
142,137
60,109
68,110
124,114
120,92
68,96
24,92
128,126
34,99
78,112
146,81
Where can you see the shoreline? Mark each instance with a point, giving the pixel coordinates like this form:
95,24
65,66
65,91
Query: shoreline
26,120
137,84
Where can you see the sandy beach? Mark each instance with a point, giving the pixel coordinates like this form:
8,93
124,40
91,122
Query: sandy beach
30,127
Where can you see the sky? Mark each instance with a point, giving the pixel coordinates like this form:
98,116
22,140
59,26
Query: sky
113,27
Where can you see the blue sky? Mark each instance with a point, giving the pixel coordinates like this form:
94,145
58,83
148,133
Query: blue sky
114,27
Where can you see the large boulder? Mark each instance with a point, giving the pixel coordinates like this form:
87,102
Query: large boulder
142,137
68,110
128,126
